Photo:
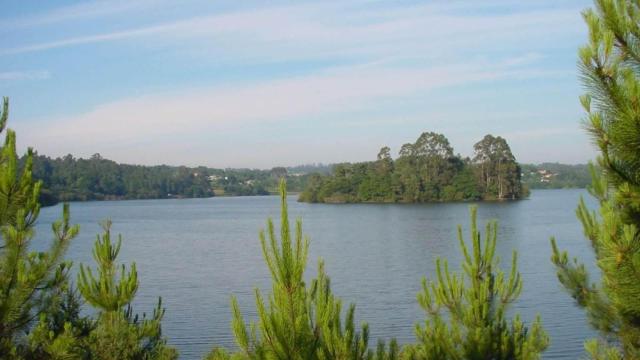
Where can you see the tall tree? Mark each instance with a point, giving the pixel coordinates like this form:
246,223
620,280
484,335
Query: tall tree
610,68
467,310
384,163
497,168
426,170
434,155
30,282
406,175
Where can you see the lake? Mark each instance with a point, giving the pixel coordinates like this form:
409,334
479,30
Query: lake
195,253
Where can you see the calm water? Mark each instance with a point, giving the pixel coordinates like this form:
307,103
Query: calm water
195,253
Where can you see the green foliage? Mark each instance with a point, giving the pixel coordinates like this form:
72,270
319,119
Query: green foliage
426,170
466,311
118,334
610,64
555,176
104,292
115,332
96,178
497,168
298,321
30,282
57,335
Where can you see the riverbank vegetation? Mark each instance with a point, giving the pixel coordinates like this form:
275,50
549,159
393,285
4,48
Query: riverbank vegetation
556,176
96,178
426,170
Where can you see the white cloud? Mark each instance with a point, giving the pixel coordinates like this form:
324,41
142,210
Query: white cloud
24,75
406,51
81,11
133,121
331,28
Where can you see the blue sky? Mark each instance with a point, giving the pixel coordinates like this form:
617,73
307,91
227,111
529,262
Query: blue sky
262,84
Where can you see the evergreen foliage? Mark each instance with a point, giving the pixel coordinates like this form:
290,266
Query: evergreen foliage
466,311
39,310
610,64
426,170
114,333
96,178
30,282
298,321
118,333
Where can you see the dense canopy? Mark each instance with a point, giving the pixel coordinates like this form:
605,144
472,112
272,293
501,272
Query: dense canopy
427,170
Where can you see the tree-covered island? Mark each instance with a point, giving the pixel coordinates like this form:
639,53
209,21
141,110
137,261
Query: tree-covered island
426,170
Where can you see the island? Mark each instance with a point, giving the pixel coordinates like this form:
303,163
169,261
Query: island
425,171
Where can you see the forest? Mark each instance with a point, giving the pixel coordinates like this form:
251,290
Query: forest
69,178
96,178
556,176
426,170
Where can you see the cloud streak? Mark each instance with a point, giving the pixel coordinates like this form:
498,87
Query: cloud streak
81,11
333,92
356,57
24,75
331,28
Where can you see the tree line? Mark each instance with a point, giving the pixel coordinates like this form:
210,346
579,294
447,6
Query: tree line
556,176
426,170
69,178
96,178
76,179
467,312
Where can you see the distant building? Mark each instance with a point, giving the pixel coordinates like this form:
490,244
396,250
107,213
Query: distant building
546,176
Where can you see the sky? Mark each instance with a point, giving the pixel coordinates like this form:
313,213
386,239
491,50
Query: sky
262,84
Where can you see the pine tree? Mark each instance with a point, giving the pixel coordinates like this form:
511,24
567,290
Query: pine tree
61,331
298,321
118,333
466,312
30,282
610,67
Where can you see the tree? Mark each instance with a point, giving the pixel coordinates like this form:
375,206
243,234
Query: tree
298,321
610,68
30,282
384,165
497,168
433,155
466,312
118,333
406,175
426,170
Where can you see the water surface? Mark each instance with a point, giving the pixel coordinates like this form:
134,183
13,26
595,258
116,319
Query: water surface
195,253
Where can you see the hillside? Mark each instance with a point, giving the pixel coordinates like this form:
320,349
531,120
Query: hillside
555,176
